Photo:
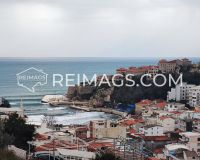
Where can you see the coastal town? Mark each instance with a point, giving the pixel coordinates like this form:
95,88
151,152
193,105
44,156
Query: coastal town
161,127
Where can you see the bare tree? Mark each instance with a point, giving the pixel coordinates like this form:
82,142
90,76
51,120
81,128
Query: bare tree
49,120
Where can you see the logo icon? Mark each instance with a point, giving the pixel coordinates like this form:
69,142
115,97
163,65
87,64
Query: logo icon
30,78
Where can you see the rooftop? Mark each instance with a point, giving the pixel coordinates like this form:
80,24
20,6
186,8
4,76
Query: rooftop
189,134
76,153
176,146
151,125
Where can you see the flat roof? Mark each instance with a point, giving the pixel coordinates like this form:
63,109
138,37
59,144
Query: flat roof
176,146
188,134
197,87
76,153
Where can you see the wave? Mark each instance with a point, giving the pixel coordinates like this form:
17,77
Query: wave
76,118
56,108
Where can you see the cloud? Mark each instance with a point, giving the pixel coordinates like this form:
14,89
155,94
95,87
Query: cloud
99,28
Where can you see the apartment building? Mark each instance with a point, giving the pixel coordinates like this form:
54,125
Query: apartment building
167,66
172,107
168,123
194,96
191,140
187,92
151,130
105,128
172,66
180,92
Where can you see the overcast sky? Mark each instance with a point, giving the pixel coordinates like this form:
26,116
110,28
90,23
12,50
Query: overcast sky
113,28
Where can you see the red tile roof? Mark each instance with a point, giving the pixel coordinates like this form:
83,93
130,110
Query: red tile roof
158,150
98,145
156,138
145,102
41,137
161,105
132,131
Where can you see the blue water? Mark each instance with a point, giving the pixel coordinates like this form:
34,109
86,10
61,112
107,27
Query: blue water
32,101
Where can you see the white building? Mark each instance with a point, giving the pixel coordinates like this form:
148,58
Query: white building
69,154
171,107
151,130
191,140
194,96
190,115
180,92
168,123
187,92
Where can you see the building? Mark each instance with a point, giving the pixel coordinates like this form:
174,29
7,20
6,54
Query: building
195,68
121,71
185,62
175,151
180,92
191,140
168,123
190,155
151,130
108,129
171,107
82,132
69,154
185,92
143,104
194,96
167,66
172,66
152,70
196,125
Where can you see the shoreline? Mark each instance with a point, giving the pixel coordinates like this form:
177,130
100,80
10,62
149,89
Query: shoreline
83,106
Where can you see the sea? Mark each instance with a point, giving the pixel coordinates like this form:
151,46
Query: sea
34,109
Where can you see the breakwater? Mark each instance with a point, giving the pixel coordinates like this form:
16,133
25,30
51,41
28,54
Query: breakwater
84,106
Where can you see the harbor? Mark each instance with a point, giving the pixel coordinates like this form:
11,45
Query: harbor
84,107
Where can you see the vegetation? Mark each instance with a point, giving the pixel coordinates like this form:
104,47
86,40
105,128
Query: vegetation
129,95
5,138
22,132
107,156
135,94
8,155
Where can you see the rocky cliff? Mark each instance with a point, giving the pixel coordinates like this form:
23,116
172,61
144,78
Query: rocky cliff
96,96
4,102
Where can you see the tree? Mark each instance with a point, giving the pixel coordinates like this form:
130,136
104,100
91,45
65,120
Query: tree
8,155
17,127
49,120
5,139
107,156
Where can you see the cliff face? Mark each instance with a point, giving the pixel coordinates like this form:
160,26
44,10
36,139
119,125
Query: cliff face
98,96
105,95
80,92
94,95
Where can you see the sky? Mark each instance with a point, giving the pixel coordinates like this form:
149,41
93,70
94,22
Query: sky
99,28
